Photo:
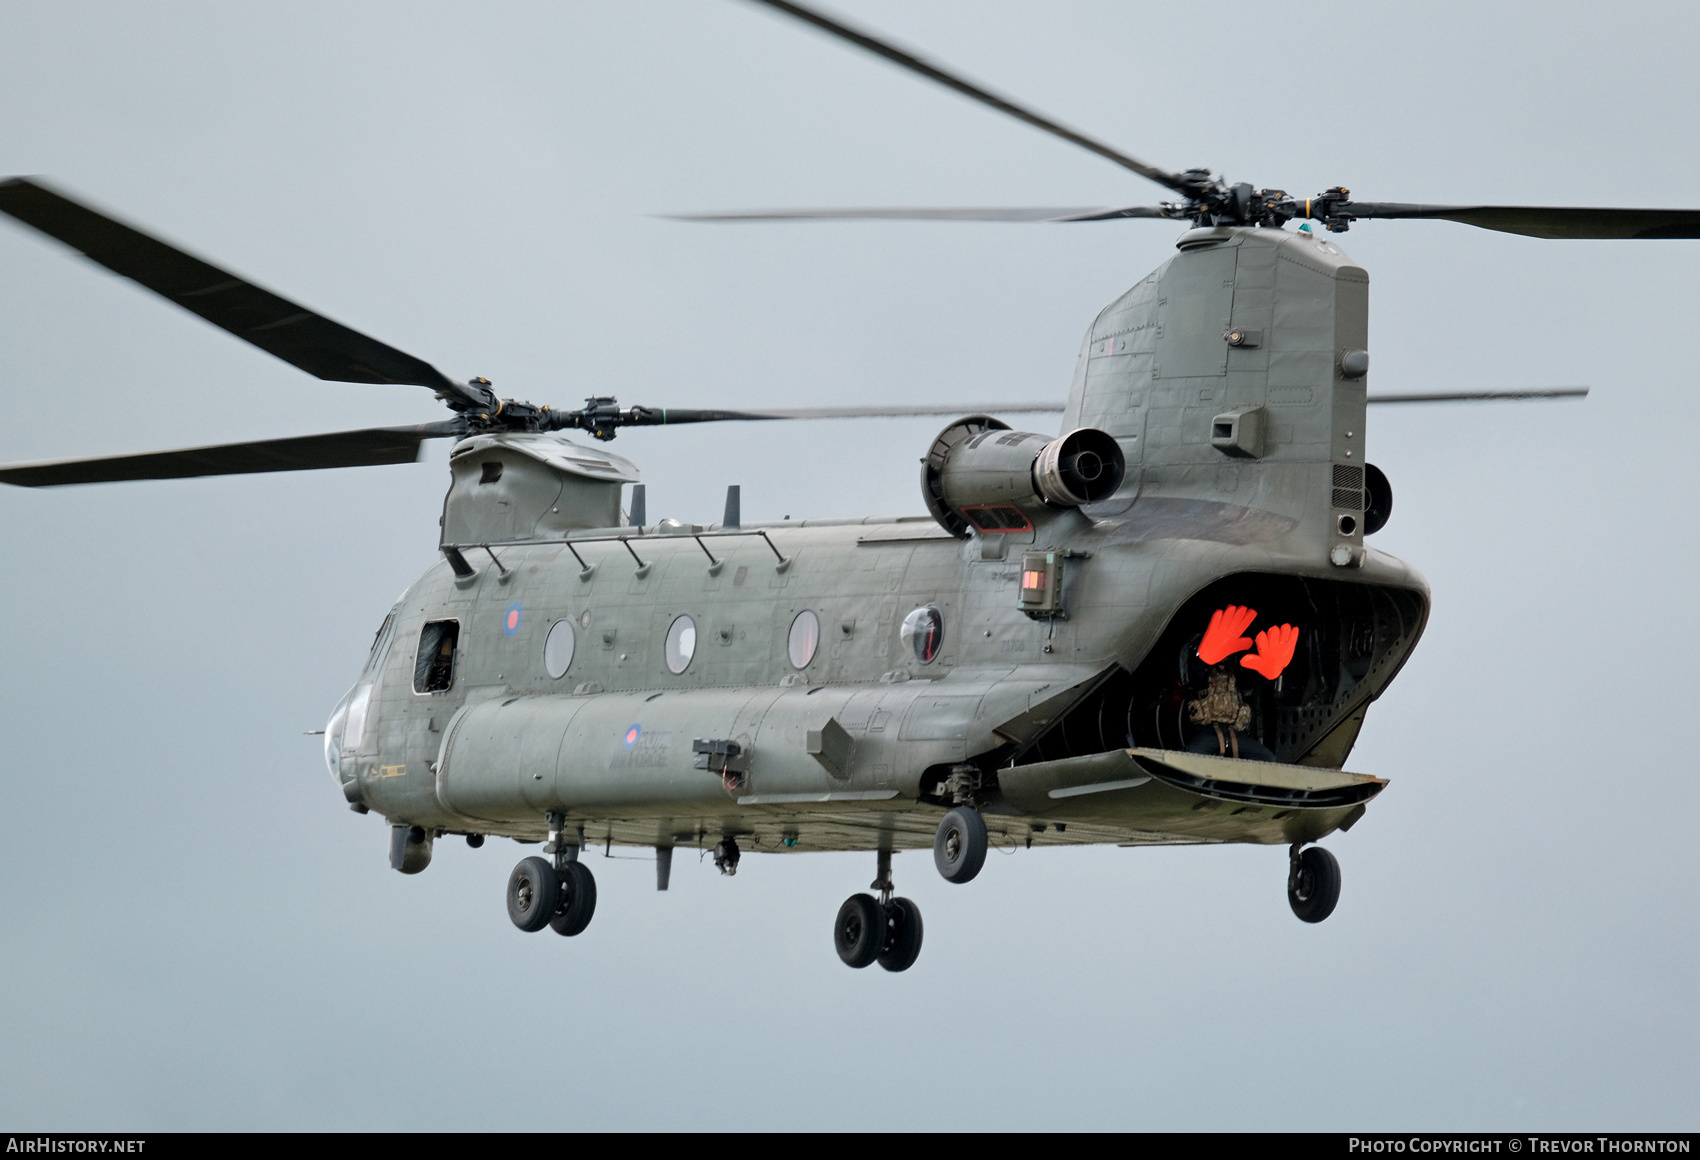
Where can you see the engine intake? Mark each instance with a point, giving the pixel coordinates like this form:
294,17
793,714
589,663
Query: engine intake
979,474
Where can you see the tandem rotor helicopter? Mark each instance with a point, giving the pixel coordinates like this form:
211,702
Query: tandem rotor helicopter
1162,625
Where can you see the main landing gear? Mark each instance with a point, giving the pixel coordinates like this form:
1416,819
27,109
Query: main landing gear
959,847
885,930
1313,882
560,895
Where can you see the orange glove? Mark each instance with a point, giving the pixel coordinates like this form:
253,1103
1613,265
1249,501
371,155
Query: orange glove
1275,649
1222,638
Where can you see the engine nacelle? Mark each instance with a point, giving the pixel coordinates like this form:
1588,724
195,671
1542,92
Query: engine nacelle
980,474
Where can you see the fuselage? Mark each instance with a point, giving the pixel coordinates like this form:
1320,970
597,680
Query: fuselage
836,684
608,738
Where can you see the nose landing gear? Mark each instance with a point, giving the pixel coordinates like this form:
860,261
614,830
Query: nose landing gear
1313,882
534,893
578,899
561,896
885,930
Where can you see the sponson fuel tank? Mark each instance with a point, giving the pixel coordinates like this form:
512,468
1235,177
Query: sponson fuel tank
509,760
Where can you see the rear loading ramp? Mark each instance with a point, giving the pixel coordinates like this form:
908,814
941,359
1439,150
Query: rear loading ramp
1190,796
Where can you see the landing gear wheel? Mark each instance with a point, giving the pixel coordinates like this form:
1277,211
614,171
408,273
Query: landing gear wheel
859,930
959,847
1313,885
578,900
534,894
902,935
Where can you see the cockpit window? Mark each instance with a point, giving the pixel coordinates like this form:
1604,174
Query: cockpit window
380,644
434,666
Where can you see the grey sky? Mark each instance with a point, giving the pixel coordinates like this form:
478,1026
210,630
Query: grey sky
196,933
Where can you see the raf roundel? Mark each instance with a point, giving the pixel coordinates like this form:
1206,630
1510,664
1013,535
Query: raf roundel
510,620
632,734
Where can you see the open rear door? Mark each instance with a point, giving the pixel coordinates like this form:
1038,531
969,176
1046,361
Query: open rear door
1184,796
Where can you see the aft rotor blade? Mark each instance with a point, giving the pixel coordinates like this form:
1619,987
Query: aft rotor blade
1483,396
915,64
1543,221
371,447
298,336
943,214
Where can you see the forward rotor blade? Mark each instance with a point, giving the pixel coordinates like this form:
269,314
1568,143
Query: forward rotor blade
1483,396
895,412
898,412
915,64
669,416
371,447
312,342
1543,221
961,214
376,446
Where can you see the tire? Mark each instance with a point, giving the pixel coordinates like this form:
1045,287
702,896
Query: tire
858,933
959,847
902,935
534,894
578,900
1314,888
1378,500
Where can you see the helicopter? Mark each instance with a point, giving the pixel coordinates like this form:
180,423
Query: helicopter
1059,652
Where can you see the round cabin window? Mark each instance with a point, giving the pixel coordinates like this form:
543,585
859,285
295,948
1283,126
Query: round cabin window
805,638
558,649
681,644
923,631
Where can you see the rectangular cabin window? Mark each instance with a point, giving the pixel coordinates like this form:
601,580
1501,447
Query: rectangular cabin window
434,667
